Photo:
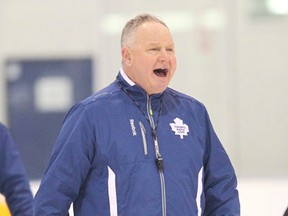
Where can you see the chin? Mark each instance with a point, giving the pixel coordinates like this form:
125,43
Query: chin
160,90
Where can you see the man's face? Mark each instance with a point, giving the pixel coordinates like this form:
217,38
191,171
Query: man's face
150,59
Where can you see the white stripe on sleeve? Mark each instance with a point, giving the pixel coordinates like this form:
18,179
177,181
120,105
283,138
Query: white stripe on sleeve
112,192
199,191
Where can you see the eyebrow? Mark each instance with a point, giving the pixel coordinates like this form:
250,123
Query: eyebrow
158,44
153,44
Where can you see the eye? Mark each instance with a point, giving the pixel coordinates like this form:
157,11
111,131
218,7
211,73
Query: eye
154,49
169,49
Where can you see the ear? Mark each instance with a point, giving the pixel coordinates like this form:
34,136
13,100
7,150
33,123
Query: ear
126,55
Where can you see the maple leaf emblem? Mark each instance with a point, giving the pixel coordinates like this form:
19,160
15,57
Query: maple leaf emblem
179,128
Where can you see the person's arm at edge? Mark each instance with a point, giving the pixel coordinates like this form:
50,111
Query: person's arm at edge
15,183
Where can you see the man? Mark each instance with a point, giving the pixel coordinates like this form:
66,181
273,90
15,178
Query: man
138,147
14,183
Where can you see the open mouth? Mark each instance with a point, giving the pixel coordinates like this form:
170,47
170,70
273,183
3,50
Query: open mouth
161,72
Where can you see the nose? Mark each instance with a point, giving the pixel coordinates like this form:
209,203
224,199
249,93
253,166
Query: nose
163,55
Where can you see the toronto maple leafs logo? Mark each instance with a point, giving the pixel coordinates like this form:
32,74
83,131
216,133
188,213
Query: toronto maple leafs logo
179,128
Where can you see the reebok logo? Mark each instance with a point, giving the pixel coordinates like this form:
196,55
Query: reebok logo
133,128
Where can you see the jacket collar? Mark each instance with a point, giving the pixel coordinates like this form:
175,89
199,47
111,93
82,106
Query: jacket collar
126,78
136,92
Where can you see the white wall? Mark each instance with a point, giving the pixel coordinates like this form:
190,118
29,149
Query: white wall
233,62
263,93
46,29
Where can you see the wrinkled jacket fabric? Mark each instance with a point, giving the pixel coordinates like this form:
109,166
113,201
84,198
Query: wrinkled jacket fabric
14,183
104,158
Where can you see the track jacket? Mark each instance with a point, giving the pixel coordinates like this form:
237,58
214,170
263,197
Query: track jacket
14,184
122,152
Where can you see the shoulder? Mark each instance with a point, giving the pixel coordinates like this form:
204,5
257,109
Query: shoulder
100,100
4,133
102,95
3,128
185,99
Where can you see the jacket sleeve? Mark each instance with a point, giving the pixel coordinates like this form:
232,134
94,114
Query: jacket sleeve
220,182
67,168
14,183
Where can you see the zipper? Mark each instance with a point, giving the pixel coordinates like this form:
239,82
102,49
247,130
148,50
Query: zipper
143,133
163,192
159,159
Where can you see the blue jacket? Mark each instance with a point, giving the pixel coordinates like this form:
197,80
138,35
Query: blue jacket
104,160
14,184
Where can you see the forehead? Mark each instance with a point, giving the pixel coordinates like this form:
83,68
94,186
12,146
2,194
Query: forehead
153,32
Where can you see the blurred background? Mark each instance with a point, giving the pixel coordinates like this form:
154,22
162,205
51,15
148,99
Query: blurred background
232,56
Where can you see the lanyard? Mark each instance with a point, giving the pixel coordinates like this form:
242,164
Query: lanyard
159,159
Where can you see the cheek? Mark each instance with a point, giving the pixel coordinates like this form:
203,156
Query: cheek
174,61
144,62
173,65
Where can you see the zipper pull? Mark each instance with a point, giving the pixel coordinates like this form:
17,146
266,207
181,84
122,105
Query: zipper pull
160,163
